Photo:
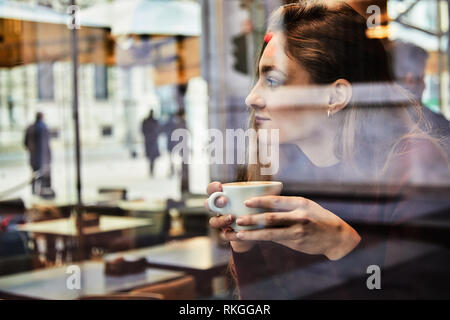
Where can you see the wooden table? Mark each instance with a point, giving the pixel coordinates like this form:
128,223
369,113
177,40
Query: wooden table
67,227
149,206
109,227
201,257
50,283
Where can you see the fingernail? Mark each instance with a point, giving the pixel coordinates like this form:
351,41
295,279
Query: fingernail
220,202
229,218
239,235
239,220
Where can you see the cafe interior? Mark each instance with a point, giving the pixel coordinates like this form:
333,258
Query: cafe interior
119,215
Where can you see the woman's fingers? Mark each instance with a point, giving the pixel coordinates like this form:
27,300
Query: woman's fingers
271,219
271,234
277,202
221,222
262,235
220,201
213,187
229,235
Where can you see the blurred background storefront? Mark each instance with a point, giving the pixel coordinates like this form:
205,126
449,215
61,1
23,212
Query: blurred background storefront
125,71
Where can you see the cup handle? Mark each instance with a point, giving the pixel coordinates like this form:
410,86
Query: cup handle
212,198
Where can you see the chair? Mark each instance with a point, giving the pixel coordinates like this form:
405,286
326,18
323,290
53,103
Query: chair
12,206
179,289
157,233
112,194
124,296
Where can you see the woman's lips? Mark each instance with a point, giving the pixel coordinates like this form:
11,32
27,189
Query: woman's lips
259,119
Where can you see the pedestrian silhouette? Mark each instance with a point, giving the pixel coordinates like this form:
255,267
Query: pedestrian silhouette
174,122
177,121
11,111
37,141
150,130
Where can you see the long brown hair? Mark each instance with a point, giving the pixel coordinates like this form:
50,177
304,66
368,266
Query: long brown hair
331,43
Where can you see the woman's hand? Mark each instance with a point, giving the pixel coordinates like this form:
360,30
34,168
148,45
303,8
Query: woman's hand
301,225
223,223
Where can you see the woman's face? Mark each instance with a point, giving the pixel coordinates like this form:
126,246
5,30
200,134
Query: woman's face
284,97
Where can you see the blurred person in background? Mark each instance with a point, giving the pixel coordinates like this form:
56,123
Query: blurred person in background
178,121
320,80
11,111
181,123
181,100
151,130
37,142
409,62
175,122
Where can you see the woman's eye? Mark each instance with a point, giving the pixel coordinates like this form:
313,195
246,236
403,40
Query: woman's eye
272,83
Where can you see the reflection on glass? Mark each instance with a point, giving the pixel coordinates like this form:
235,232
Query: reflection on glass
351,117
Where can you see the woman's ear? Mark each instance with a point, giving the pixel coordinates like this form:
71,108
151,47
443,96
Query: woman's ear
340,95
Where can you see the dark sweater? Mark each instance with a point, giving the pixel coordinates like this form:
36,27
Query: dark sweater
273,271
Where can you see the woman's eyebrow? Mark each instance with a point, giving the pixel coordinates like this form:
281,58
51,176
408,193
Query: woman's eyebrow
267,68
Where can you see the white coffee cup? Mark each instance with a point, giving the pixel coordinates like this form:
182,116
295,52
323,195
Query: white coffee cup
237,193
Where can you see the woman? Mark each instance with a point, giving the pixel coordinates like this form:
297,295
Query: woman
320,81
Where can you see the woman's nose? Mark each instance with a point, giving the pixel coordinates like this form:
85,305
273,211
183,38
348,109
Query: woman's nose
254,101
